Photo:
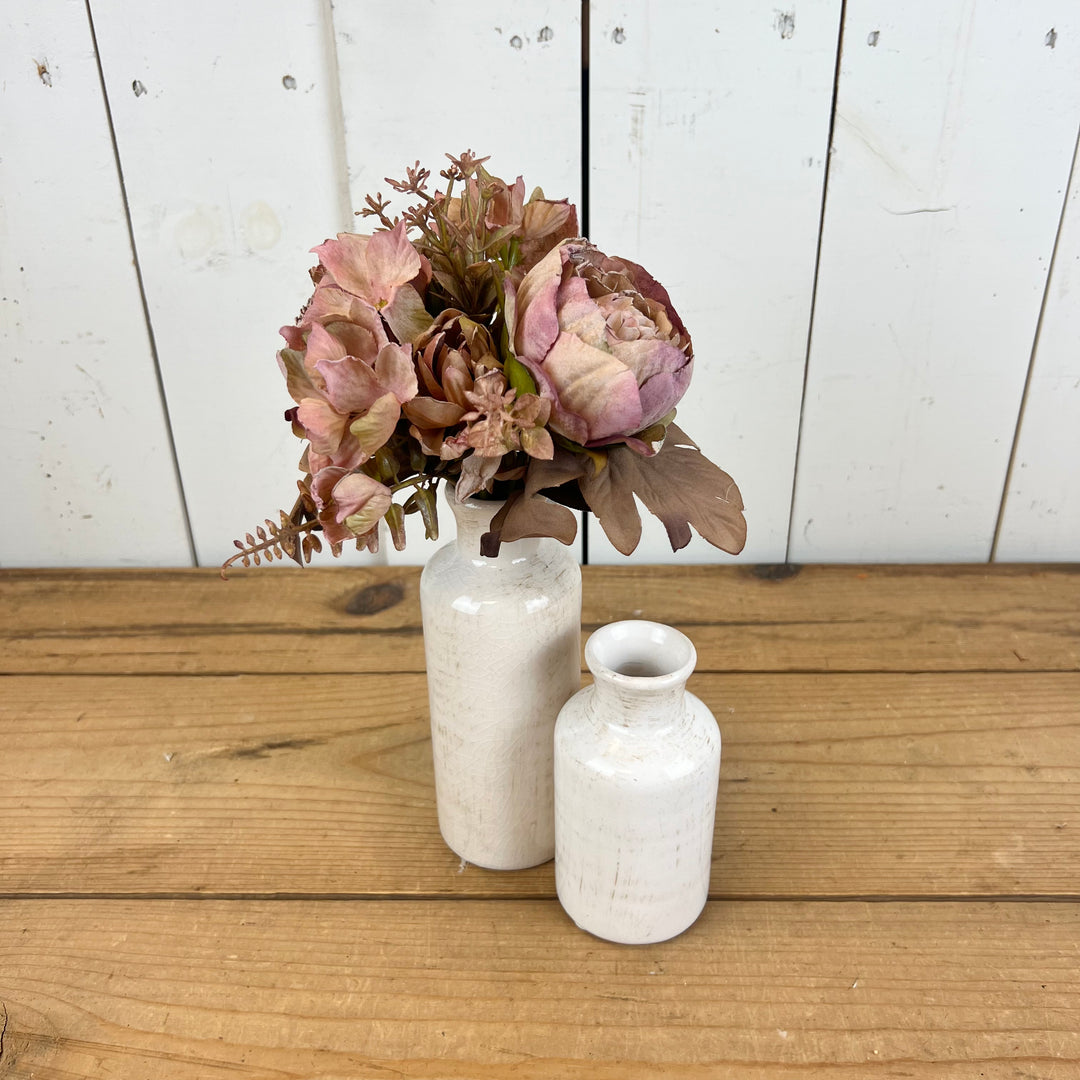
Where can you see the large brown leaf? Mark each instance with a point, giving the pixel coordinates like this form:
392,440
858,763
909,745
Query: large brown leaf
527,513
679,485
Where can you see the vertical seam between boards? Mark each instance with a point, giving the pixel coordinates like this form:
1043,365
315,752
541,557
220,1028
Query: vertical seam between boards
170,435
817,271
1031,358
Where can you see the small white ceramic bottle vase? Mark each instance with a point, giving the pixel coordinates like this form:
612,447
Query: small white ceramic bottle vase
637,761
502,641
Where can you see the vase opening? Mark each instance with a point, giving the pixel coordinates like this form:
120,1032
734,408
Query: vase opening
650,653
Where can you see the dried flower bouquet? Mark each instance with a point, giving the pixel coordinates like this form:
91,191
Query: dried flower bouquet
477,339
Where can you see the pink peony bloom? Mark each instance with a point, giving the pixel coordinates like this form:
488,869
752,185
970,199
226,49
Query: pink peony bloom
603,342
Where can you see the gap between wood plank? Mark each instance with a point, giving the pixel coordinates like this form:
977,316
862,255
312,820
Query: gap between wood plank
720,898
309,671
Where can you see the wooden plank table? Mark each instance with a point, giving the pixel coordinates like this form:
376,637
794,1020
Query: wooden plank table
219,854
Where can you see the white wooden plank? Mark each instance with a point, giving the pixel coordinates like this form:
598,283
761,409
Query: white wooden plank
503,80
708,130
88,472
1041,521
955,128
227,122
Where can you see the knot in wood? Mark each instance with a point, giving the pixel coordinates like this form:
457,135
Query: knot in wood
376,598
776,571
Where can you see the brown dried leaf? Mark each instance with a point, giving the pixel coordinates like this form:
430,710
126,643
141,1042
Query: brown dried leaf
679,485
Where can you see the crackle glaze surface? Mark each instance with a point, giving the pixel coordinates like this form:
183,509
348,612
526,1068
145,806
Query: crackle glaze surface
502,641
637,761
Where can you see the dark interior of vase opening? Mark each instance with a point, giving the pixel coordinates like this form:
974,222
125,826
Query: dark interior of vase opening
638,654
642,669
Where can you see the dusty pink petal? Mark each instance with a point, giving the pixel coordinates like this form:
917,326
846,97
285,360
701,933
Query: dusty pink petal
660,393
351,385
578,313
565,423
454,447
376,425
395,372
322,424
322,486
294,337
358,340
331,305
371,267
544,224
537,443
322,345
662,371
649,287
542,217
507,207
348,455
407,316
537,321
360,501
594,386
423,278
297,377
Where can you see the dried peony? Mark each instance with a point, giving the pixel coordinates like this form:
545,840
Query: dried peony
604,344
477,340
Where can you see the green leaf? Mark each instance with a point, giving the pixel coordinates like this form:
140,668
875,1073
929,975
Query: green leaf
518,376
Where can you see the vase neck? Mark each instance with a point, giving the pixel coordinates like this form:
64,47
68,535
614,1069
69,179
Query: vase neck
641,669
473,517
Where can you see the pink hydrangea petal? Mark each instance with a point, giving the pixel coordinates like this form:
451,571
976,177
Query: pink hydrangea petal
322,345
294,337
395,371
322,424
346,260
357,495
351,385
331,304
377,424
371,267
297,377
406,315
341,495
322,484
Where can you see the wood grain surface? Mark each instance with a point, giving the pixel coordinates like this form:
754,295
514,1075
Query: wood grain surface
201,990
853,785
219,855
343,619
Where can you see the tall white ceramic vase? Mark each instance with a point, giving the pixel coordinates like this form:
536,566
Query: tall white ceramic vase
502,641
637,761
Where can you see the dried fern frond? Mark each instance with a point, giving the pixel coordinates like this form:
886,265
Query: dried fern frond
294,537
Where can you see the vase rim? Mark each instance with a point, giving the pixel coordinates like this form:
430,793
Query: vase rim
470,501
639,654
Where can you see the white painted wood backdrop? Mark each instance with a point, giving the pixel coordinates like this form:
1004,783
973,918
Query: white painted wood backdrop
887,327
